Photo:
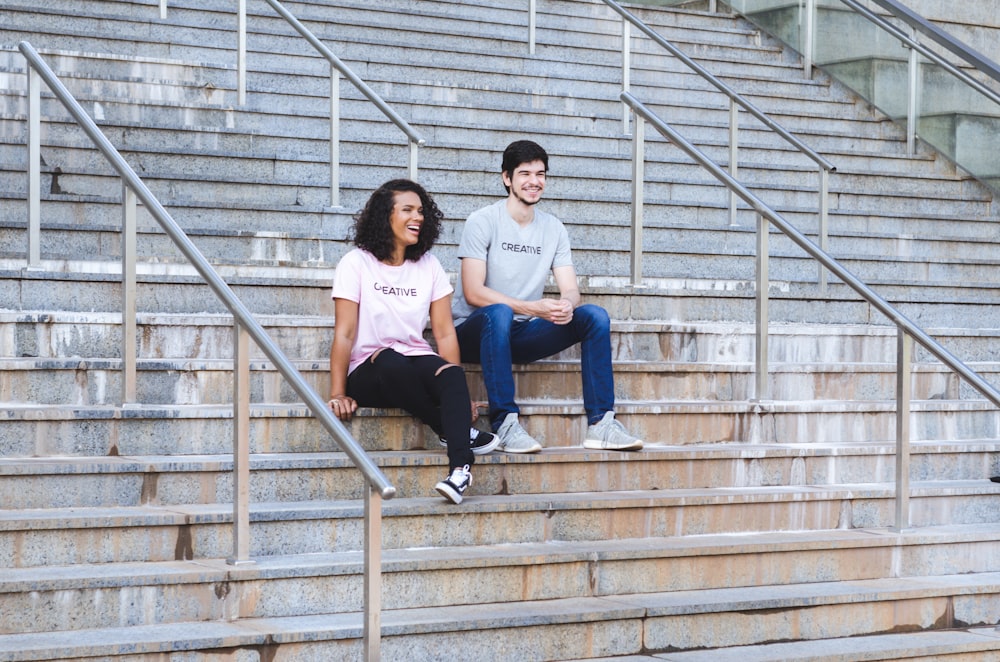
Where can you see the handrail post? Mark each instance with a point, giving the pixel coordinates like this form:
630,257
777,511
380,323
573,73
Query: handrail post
531,26
808,37
373,575
34,169
334,136
734,155
638,176
241,53
414,153
128,295
626,71
824,216
911,98
241,446
761,390
904,386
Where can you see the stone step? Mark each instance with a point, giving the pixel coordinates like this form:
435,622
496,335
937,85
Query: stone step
203,530
762,160
173,175
175,289
276,289
63,335
578,628
95,382
176,479
415,578
182,181
322,223
52,430
960,643
799,112
63,242
203,31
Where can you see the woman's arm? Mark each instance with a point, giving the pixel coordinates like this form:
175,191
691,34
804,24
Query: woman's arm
443,328
345,331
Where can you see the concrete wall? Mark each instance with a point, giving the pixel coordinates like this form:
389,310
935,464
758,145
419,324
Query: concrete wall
976,23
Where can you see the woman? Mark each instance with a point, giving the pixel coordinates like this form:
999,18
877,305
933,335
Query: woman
384,291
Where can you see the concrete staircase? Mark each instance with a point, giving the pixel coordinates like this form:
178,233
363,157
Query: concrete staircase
750,529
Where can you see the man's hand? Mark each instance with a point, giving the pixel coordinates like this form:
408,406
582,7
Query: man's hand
557,311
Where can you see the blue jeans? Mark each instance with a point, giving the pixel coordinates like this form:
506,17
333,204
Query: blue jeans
492,337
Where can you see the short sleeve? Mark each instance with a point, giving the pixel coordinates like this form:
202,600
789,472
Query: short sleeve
347,277
476,235
563,256
440,285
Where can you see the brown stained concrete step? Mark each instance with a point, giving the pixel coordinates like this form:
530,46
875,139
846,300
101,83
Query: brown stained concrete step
564,629
114,594
36,537
128,481
28,430
97,382
964,644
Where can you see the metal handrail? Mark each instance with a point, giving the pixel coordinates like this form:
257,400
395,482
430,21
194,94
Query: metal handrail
337,69
907,330
990,68
942,38
379,487
736,101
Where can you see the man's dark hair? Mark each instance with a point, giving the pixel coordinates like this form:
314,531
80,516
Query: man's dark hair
373,233
522,151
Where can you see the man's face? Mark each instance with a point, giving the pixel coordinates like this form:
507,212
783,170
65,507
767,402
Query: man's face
526,182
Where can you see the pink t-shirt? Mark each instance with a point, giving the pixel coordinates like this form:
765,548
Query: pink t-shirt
393,302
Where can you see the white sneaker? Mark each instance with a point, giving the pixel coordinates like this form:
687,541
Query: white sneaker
608,434
513,438
454,486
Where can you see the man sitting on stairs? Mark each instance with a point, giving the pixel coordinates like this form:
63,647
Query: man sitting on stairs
507,251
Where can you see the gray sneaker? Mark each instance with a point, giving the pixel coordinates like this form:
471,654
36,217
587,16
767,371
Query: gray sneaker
608,434
513,438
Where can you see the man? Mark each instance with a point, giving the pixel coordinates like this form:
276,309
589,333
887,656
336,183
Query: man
507,251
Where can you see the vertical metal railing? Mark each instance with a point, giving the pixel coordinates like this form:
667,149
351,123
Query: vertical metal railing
241,52
532,25
129,295
241,445
762,391
912,97
638,176
904,391
809,37
246,327
907,331
34,169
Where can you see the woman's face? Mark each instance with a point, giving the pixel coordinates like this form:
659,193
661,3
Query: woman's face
407,218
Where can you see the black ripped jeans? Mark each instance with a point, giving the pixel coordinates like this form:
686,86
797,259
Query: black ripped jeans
440,400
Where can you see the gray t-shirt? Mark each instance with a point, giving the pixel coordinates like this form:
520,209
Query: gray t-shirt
518,259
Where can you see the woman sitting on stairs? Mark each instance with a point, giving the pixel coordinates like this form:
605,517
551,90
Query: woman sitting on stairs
384,291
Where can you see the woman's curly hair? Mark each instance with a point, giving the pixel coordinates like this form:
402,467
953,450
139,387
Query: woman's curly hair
373,232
